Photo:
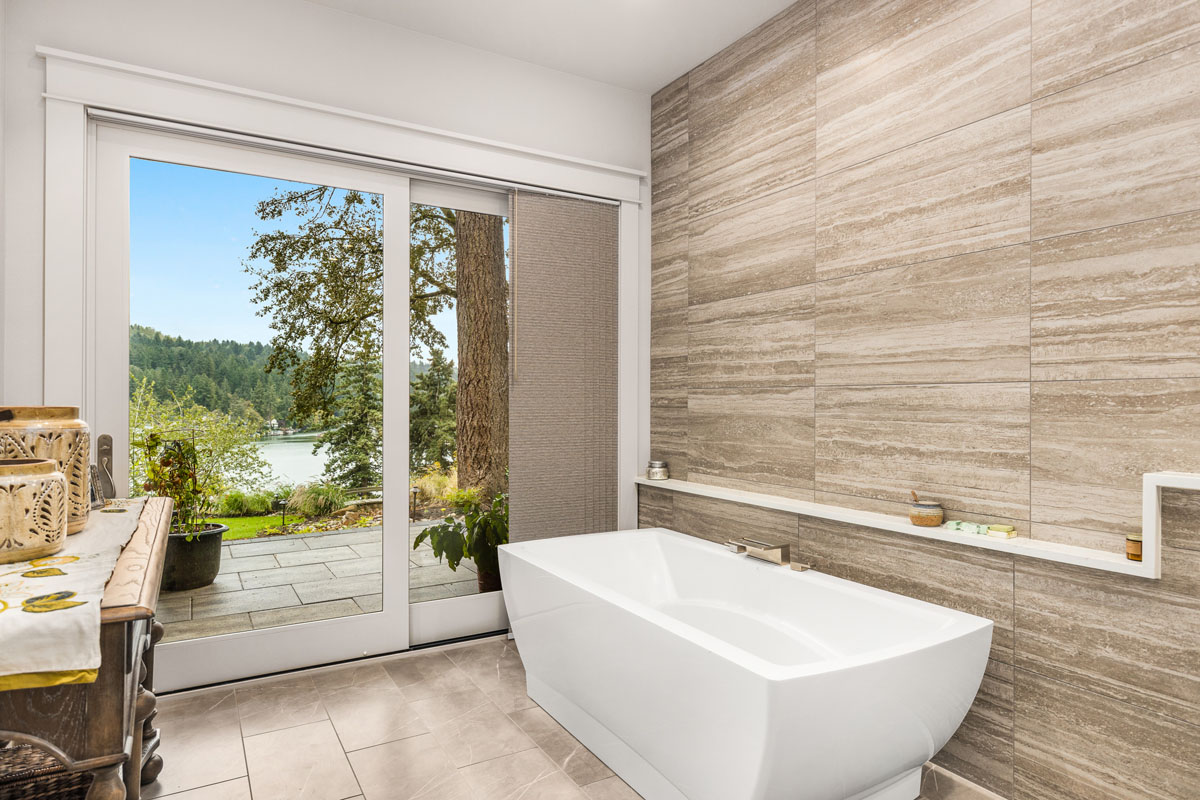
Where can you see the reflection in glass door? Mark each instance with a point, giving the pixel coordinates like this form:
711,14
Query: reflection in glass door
260,330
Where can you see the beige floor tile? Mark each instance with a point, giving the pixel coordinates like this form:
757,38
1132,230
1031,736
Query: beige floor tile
307,613
410,769
209,626
529,775
563,748
364,675
365,716
300,763
495,667
470,728
238,789
610,789
426,675
201,741
278,703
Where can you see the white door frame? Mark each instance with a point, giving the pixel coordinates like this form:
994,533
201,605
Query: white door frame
214,659
77,84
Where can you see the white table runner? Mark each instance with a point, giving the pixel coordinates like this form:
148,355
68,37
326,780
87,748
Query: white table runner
50,607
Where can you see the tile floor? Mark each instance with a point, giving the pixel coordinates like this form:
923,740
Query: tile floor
450,723
288,579
446,724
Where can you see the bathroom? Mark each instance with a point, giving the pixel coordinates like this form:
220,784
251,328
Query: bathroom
841,431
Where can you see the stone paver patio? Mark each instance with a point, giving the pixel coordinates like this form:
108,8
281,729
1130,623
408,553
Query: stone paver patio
281,580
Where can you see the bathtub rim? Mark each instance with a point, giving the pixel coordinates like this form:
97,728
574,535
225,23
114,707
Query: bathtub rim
961,624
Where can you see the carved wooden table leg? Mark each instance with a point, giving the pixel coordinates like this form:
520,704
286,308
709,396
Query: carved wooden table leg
154,764
107,784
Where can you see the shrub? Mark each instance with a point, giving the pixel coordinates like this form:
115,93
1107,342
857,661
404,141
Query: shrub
436,486
236,503
317,499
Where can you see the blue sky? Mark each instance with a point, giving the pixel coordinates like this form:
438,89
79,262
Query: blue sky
190,231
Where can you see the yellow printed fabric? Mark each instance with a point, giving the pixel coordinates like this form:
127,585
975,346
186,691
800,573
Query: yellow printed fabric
50,607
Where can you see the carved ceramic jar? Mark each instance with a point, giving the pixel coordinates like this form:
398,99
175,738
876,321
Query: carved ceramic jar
57,433
33,509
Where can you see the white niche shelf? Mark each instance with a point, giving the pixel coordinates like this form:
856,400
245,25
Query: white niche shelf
1149,567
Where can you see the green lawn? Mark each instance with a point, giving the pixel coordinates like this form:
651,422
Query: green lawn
246,527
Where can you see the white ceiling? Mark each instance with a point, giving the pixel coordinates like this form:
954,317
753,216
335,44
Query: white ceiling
638,44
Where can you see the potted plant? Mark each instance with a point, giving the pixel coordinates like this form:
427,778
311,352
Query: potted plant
476,535
174,470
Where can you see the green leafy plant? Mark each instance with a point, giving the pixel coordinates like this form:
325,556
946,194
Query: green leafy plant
174,470
237,503
476,535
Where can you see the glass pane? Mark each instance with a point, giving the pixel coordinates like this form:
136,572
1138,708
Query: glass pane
458,401
256,393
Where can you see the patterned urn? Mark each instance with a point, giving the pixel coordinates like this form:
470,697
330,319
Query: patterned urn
33,509
57,433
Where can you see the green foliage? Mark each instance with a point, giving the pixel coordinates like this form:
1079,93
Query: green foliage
225,443
176,469
317,500
322,287
236,503
476,536
436,484
355,437
246,527
219,375
431,408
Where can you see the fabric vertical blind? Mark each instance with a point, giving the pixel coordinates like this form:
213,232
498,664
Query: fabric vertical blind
563,370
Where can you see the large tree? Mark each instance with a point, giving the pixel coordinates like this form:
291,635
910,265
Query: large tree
322,287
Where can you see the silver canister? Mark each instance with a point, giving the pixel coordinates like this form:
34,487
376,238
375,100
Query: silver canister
657,471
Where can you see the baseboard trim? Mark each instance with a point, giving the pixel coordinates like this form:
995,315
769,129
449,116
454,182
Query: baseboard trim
941,784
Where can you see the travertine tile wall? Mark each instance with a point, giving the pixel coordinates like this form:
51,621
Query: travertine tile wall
953,246
948,246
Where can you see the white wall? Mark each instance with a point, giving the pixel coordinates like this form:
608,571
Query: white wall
288,47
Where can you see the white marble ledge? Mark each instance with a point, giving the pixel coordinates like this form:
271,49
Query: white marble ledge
1149,567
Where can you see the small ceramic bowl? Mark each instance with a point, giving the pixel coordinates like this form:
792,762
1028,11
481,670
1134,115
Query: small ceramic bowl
927,515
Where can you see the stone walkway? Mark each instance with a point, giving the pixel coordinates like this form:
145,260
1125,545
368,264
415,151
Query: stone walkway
282,580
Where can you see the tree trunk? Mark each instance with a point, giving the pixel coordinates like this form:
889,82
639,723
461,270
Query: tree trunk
482,409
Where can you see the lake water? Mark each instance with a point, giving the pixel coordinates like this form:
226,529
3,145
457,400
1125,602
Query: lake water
292,459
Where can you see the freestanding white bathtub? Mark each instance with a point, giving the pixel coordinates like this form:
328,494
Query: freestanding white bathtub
699,674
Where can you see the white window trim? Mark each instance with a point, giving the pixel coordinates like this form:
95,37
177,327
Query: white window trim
77,84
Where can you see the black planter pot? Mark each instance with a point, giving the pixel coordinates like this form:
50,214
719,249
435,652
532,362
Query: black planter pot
190,565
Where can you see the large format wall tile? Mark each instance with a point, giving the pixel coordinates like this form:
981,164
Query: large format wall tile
1127,638
958,319
960,192
964,578
1072,744
1121,148
761,340
719,521
1075,41
968,60
846,29
1118,302
755,247
982,748
756,439
964,445
1181,519
669,112
751,113
1092,440
656,508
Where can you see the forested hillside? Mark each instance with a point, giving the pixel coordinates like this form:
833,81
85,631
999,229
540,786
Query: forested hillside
225,376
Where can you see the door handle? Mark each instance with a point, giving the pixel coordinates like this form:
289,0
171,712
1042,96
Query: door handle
104,460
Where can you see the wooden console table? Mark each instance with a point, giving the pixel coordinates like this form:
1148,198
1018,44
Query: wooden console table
106,727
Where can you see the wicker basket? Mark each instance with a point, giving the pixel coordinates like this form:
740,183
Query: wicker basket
29,773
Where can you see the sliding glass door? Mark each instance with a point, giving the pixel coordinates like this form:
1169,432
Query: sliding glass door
250,321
